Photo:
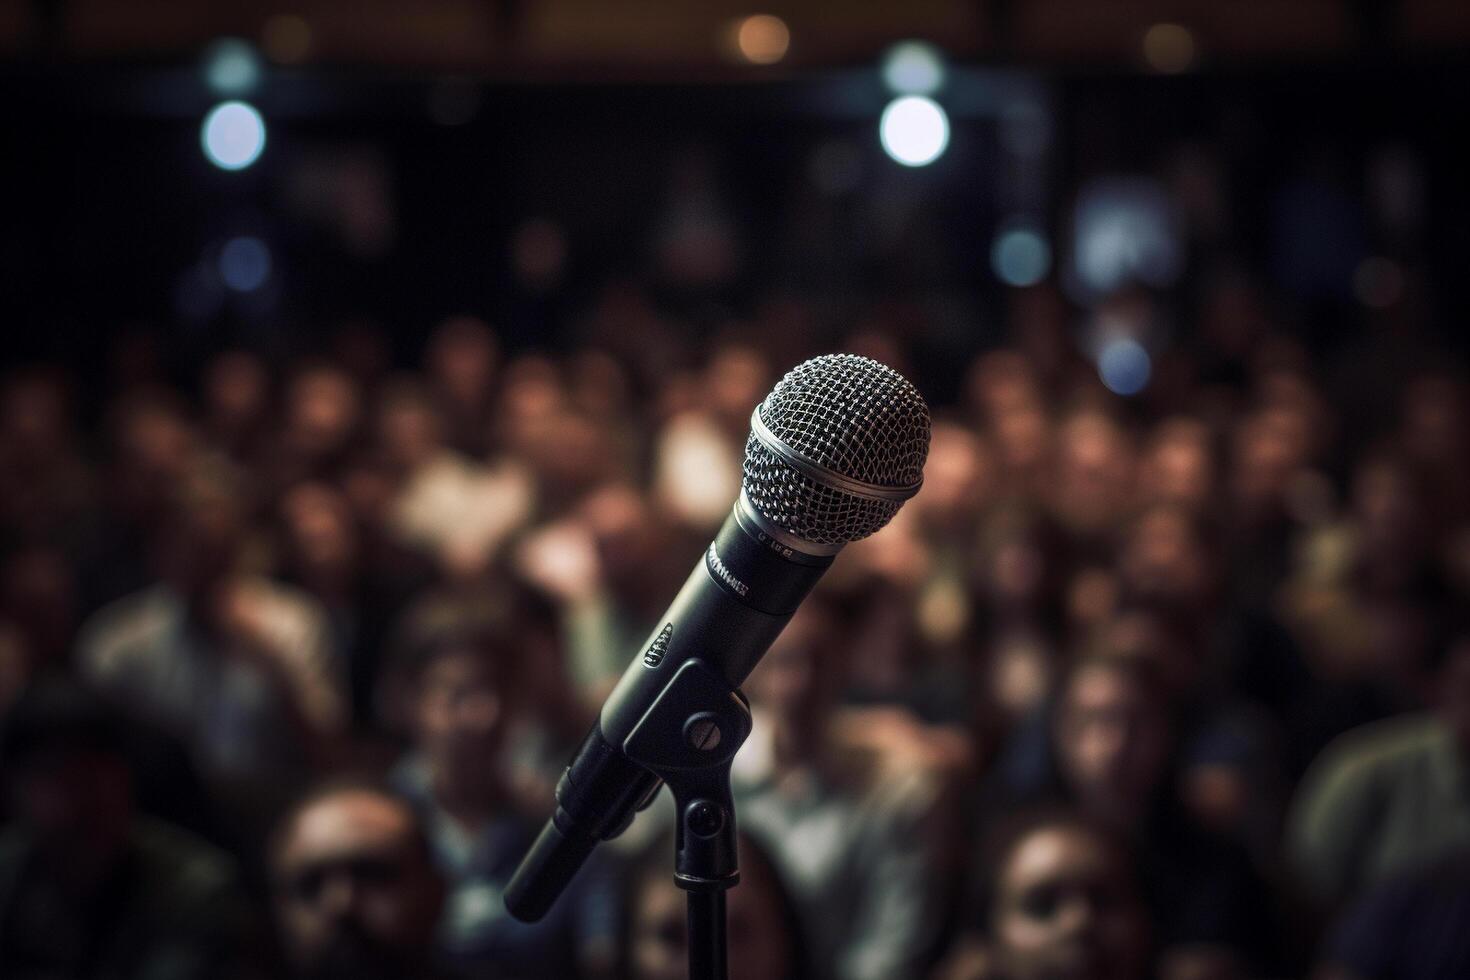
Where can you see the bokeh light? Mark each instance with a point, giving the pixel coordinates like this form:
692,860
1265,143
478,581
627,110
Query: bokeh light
913,68
244,264
1126,230
233,135
1124,366
1021,256
1169,48
286,38
762,39
231,67
914,130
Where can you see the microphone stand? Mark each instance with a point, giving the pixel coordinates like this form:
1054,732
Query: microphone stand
688,738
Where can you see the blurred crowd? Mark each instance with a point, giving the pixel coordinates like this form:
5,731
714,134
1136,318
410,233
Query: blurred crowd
292,653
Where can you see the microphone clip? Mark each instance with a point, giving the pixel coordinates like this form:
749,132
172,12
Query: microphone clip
688,738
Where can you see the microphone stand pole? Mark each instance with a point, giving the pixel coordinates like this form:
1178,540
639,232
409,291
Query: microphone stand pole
688,738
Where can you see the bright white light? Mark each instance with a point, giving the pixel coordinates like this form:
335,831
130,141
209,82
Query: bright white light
233,135
245,264
231,67
913,68
1021,256
1124,366
914,130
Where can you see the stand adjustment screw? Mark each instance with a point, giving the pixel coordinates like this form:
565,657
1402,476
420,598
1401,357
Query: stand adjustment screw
704,819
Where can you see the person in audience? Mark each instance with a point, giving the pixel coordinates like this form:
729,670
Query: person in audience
854,835
1063,899
464,777
1390,796
237,665
763,934
90,887
356,892
1114,745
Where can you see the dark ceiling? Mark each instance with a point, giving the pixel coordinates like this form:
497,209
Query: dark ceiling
682,38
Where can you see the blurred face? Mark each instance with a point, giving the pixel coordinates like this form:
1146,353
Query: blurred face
155,441
461,359
356,895
202,543
1164,556
1094,471
322,410
235,388
954,475
1066,909
461,714
760,940
409,432
1112,742
1179,469
1434,420
33,415
1269,448
319,521
736,382
1385,505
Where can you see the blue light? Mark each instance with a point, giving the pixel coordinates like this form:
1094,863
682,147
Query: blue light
1124,366
245,264
231,67
914,130
233,135
1021,256
913,68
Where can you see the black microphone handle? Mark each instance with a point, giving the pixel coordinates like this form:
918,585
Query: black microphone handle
729,611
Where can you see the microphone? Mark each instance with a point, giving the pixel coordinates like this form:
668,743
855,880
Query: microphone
834,450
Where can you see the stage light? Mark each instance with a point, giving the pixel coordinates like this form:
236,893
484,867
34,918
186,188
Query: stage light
244,264
233,135
1124,366
1021,256
762,39
1169,48
914,130
913,68
231,67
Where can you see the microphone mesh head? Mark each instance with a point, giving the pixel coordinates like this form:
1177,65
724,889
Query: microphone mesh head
848,414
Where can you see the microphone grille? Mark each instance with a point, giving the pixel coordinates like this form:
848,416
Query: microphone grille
852,417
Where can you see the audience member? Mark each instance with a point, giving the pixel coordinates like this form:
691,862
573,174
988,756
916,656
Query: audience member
357,896
764,931
461,775
853,837
91,888
1387,797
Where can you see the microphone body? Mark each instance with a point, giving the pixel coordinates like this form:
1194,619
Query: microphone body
798,506
735,602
